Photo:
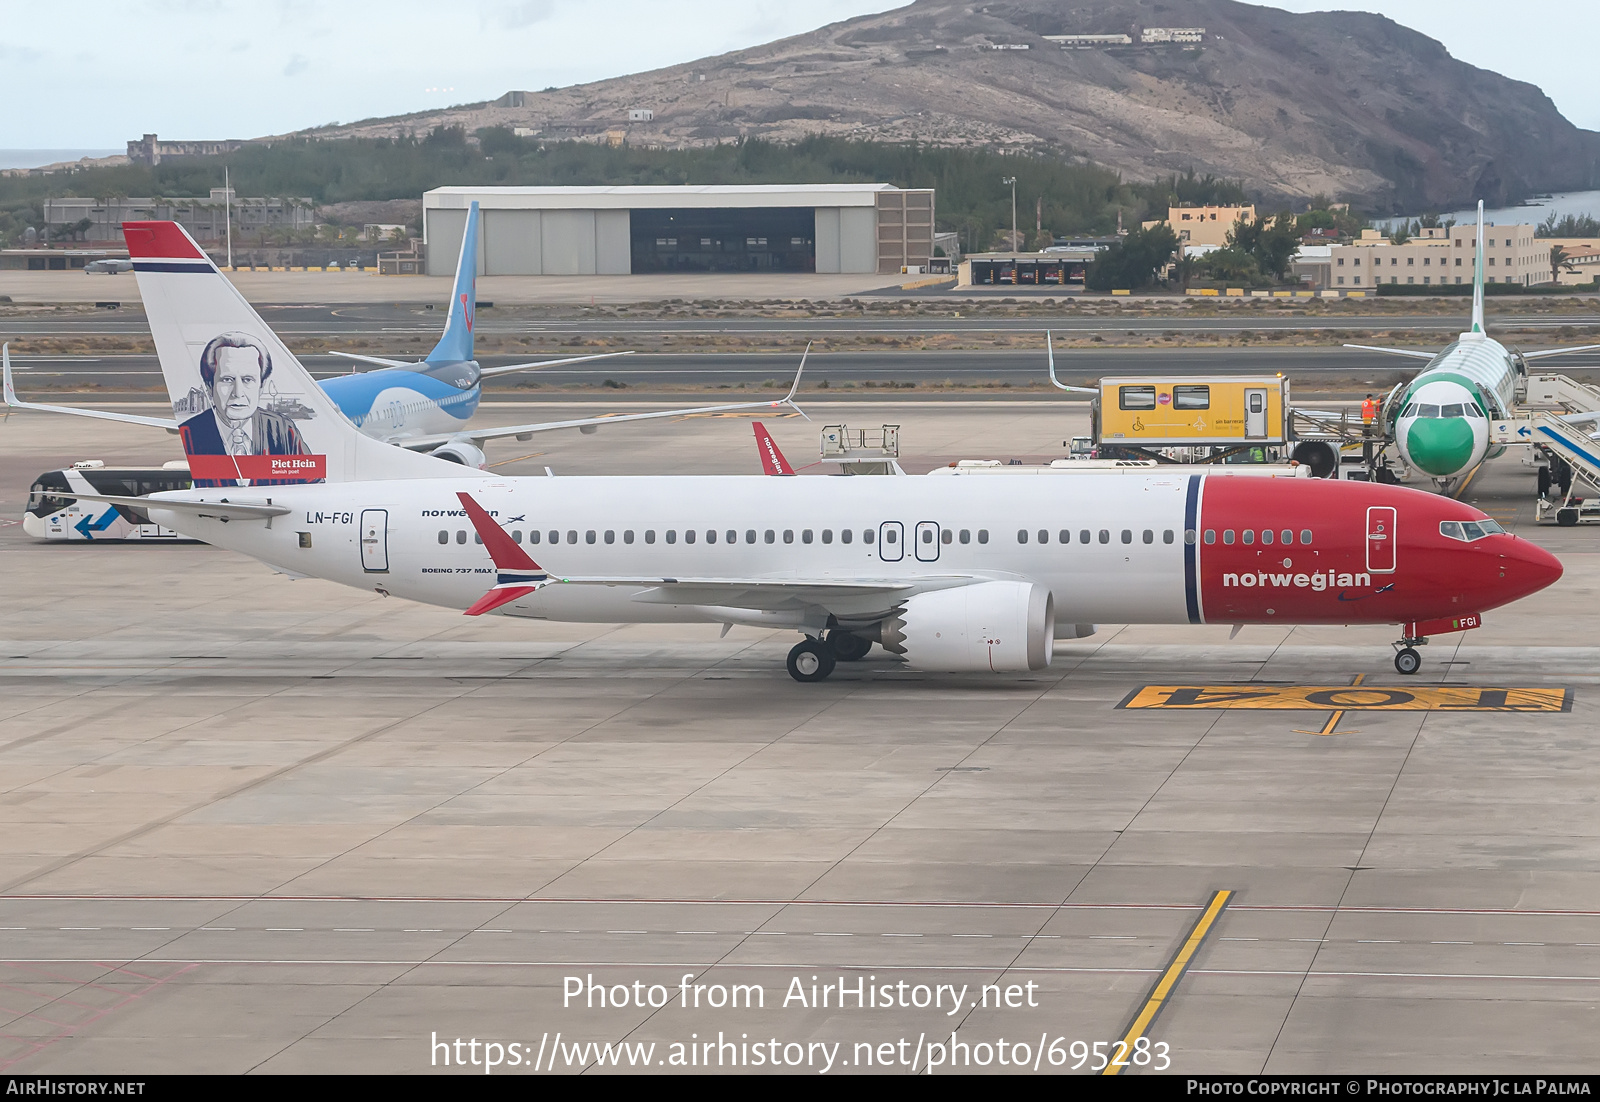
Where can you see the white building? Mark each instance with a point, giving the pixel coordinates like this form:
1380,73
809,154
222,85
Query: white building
830,228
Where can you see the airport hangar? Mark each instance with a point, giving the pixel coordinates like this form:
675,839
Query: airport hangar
632,230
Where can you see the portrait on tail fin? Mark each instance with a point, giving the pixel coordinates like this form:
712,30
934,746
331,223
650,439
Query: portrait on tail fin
240,424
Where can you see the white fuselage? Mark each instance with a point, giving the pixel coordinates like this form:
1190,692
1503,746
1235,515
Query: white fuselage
421,545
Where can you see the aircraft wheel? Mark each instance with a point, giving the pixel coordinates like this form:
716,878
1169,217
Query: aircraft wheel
810,660
1407,661
1567,517
847,647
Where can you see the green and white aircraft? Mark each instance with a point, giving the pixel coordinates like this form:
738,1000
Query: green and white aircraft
1440,420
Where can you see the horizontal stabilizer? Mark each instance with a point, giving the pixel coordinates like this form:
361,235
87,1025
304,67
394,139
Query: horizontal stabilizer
378,360
489,372
14,402
218,510
1409,353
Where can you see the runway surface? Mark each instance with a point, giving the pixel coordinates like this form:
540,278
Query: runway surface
254,824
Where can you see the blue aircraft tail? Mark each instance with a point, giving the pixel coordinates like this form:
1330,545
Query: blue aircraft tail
456,344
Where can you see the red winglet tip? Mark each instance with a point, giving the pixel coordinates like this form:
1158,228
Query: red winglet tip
159,240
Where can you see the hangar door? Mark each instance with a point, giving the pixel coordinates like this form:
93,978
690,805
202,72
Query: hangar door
736,239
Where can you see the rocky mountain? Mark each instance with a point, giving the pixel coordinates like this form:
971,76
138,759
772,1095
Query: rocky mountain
1340,103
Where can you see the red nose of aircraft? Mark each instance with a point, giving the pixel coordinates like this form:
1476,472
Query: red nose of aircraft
1524,568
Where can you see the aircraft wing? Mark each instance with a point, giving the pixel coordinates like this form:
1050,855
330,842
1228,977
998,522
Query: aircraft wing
13,402
1543,353
490,372
220,510
591,424
1409,353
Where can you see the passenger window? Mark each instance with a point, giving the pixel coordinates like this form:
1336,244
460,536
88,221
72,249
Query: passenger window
672,536
461,537
750,535
477,538
846,535
788,535
1227,536
516,537
1286,537
1022,535
611,537
444,537
1044,537
1211,535
827,535
867,534
983,535
1064,536
627,535
805,535
1150,537
1191,397
1083,536
1127,535
1249,536
1136,397
927,535
1188,537
688,535
533,536
711,535
572,536
947,537
966,535
769,535
555,538
649,535
1305,536
588,537
730,536
1266,535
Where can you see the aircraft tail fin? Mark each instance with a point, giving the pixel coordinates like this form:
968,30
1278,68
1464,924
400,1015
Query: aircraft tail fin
1477,278
772,457
248,411
456,343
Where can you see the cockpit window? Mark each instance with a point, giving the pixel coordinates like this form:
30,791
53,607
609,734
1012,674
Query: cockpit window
1453,411
1426,410
1410,410
1468,530
1473,410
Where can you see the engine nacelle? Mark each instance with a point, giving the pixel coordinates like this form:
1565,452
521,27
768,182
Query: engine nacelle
461,451
1004,627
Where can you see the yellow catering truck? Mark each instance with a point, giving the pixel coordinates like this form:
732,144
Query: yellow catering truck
1191,411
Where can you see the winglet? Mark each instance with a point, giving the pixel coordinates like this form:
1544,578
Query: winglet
1050,349
794,388
1477,278
772,458
519,575
455,344
10,391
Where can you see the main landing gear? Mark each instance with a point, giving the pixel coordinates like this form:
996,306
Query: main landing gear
813,659
1406,658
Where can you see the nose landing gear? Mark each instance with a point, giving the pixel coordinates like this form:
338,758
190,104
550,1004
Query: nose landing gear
811,660
1406,659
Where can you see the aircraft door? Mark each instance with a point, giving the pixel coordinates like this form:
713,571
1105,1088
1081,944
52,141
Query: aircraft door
891,541
375,541
1381,525
927,541
1255,413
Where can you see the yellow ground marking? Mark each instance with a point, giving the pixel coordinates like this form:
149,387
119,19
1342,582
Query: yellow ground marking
1333,719
1465,482
1169,979
1349,698
518,459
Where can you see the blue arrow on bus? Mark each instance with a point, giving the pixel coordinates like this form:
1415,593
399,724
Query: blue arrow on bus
87,525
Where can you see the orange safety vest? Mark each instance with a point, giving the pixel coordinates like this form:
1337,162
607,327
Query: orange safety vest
1369,410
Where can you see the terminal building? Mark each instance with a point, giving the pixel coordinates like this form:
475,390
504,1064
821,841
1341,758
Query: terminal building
630,230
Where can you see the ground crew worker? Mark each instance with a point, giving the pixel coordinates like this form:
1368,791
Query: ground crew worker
1369,410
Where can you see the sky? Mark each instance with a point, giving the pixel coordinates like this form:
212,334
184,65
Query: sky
246,68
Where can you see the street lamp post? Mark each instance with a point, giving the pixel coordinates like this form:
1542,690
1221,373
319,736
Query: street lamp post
1012,180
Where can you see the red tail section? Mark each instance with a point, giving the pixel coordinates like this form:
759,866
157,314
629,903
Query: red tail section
772,460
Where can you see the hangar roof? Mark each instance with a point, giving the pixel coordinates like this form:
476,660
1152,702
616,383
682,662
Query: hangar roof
652,196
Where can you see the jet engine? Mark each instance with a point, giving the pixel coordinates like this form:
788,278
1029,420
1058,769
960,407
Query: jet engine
1004,627
461,451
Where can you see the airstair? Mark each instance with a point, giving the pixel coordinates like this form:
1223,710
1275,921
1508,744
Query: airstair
1558,416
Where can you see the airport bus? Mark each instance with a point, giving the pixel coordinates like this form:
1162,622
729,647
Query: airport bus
51,516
